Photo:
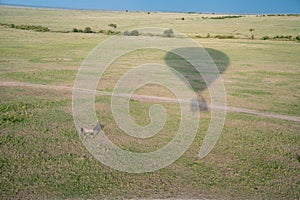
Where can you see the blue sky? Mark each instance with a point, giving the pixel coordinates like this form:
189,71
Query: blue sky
217,6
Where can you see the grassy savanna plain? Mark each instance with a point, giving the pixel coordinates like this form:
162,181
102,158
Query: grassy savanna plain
42,155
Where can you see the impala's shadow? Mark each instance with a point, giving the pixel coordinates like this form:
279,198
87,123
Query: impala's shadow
192,75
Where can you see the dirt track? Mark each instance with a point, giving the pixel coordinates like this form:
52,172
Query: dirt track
153,99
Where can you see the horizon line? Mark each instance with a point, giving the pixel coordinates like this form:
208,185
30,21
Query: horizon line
127,10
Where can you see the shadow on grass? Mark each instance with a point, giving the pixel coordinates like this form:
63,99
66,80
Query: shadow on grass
187,70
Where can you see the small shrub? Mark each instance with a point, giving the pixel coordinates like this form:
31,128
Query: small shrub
126,33
169,33
135,33
113,25
297,37
266,38
88,30
208,35
75,30
132,33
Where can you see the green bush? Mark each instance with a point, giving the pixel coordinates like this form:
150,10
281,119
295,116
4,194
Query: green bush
294,15
227,17
26,27
283,37
88,30
135,33
266,38
109,32
224,36
113,25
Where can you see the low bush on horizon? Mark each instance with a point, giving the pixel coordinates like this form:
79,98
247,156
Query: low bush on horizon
38,28
282,38
217,36
89,30
169,33
131,33
227,17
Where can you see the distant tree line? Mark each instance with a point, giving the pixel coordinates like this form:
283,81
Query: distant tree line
278,15
227,17
106,32
165,33
282,38
27,27
277,38
39,28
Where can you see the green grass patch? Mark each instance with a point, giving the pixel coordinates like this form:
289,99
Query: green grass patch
41,76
